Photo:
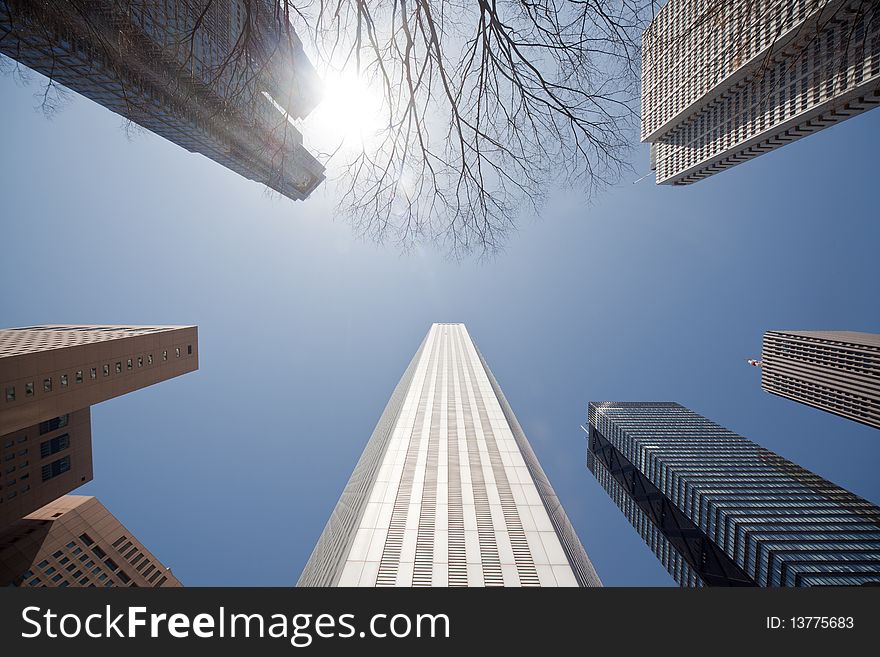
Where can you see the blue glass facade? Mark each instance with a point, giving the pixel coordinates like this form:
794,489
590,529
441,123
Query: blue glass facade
720,510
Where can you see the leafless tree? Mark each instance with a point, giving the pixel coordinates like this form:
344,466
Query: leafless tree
485,106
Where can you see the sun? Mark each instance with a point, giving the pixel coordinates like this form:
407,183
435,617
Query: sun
349,113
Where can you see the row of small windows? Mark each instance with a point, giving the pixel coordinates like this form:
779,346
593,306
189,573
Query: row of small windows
64,379
79,565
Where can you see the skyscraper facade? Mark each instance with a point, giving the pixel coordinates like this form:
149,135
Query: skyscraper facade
76,541
724,81
448,491
224,79
835,371
49,378
719,510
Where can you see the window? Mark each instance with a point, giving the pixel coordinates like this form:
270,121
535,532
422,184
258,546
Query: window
106,370
54,423
85,538
140,361
101,554
63,380
128,364
56,468
8,443
10,393
150,359
79,376
119,367
47,384
189,350
177,352
49,447
29,389
165,355
93,373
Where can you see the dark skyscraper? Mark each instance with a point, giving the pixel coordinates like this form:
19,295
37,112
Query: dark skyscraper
836,371
720,510
224,79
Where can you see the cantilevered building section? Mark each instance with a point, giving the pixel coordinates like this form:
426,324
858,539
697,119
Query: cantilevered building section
75,541
221,78
724,80
835,371
50,376
719,510
448,491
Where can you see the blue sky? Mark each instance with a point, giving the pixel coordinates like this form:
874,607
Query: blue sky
648,293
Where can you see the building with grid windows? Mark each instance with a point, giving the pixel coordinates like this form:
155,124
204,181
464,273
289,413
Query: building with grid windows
836,371
719,510
50,376
76,541
448,491
224,79
724,81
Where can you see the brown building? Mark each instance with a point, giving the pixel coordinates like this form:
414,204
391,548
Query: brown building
49,377
76,541
836,371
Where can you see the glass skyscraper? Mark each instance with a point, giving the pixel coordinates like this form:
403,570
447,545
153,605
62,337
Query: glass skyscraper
448,491
720,510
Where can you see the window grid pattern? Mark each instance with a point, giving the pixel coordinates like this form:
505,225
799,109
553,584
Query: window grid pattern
780,523
721,86
838,372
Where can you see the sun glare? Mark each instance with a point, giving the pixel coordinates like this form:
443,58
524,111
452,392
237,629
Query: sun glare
350,112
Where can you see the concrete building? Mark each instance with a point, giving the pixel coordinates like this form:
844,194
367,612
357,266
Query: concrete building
724,81
835,371
448,491
224,79
76,541
720,510
49,377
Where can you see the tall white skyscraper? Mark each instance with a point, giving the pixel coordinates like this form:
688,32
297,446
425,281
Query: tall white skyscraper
724,81
448,491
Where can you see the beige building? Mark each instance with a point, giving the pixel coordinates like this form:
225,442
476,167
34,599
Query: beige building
76,541
49,377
